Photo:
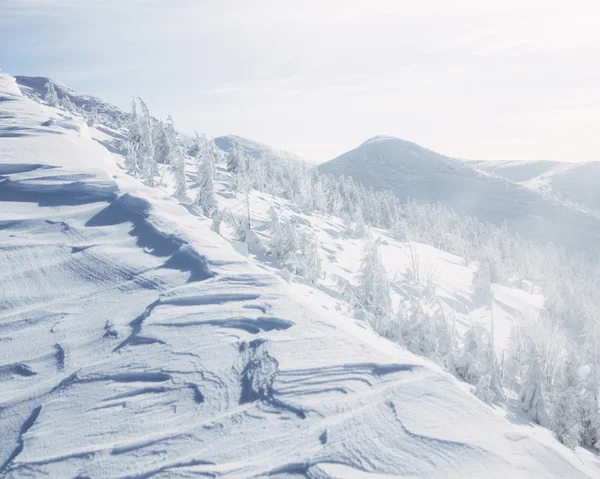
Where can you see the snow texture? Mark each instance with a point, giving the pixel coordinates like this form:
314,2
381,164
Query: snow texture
214,366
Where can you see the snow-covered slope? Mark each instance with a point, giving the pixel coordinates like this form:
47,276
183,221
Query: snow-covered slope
413,172
577,183
254,149
109,114
136,343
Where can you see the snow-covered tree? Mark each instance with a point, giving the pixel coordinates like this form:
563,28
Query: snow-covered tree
51,97
146,162
306,261
417,329
67,105
489,388
590,415
92,117
234,157
566,421
482,286
373,286
467,360
175,158
531,395
216,221
205,197
360,228
162,144
132,162
484,389
284,240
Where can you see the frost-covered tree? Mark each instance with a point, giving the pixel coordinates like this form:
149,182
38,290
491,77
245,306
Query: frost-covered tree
590,415
467,360
92,117
489,388
484,389
196,146
482,286
205,197
51,97
565,412
360,228
217,217
175,158
146,162
531,395
132,162
417,329
373,286
234,157
162,144
284,240
67,105
305,260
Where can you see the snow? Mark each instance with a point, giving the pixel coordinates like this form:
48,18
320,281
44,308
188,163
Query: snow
570,182
135,342
254,149
415,173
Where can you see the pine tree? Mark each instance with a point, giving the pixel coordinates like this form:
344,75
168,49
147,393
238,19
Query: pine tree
51,97
417,329
216,221
162,145
373,286
133,142
590,416
531,396
92,116
67,105
147,165
490,389
482,286
565,413
360,228
234,156
304,260
283,238
466,363
176,159
205,197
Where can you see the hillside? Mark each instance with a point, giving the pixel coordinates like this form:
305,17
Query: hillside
415,173
136,342
110,115
577,183
254,149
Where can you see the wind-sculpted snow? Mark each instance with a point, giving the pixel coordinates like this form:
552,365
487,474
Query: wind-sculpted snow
136,343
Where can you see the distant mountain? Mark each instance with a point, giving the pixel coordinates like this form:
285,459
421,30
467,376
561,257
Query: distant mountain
110,114
416,173
254,149
573,182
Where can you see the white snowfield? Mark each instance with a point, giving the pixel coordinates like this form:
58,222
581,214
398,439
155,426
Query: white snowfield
136,343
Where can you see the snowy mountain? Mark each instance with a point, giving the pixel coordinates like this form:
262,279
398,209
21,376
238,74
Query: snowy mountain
415,173
137,342
254,149
577,183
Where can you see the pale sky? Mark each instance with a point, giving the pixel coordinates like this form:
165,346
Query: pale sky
500,80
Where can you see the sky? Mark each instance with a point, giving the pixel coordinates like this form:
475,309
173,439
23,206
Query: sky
477,79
